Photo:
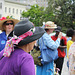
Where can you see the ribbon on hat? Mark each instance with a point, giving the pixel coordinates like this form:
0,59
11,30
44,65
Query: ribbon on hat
14,40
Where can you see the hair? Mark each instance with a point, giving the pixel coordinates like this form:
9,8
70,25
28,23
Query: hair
3,26
70,32
74,33
46,30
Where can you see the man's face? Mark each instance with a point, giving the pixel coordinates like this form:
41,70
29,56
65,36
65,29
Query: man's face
73,38
57,33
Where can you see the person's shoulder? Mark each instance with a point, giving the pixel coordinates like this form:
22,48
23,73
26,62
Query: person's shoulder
25,57
1,53
3,33
72,48
22,54
45,34
46,37
53,36
69,42
64,37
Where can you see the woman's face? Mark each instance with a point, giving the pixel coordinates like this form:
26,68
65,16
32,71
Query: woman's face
9,26
51,30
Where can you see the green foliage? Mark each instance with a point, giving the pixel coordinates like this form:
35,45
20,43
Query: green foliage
64,11
34,14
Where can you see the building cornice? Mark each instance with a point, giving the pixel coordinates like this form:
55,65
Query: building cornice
15,2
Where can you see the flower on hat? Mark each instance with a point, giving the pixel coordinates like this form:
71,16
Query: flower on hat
8,17
50,24
3,18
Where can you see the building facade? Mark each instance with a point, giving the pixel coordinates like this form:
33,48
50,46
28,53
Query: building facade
43,3
11,8
15,7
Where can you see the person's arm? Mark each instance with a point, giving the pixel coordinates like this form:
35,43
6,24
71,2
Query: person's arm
65,43
62,47
27,66
50,43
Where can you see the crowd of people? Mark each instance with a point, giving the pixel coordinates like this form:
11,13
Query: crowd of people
18,38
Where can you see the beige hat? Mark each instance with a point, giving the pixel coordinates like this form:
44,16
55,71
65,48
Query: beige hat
50,25
3,19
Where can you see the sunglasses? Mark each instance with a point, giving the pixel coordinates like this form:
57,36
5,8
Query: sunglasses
9,23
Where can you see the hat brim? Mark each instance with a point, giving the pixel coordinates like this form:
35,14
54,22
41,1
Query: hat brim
50,27
36,35
14,20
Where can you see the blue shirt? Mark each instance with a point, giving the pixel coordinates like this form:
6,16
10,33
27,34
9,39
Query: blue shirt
49,42
3,39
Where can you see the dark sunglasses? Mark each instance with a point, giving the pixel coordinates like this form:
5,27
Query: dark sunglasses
9,23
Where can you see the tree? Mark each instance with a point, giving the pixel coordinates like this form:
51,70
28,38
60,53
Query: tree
34,14
64,11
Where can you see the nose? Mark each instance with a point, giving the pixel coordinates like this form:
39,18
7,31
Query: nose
9,25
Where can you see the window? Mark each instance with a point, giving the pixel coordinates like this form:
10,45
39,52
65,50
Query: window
0,15
1,5
5,9
13,11
16,11
20,11
9,10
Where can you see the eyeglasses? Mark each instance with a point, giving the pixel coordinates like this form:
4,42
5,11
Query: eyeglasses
9,23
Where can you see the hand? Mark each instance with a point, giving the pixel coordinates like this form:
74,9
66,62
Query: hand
60,35
62,46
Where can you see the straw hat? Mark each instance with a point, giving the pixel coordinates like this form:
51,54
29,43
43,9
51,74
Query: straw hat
50,25
4,19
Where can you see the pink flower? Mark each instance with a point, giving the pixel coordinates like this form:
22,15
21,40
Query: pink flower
3,18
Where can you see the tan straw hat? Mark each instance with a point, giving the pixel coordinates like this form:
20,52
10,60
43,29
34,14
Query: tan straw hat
3,19
50,25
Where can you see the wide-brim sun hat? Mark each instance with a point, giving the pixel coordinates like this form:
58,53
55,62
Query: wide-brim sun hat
4,19
23,27
50,25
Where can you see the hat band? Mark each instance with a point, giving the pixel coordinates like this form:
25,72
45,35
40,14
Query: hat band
49,25
14,40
